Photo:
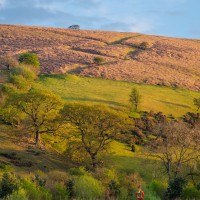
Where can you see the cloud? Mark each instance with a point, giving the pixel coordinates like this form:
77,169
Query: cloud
140,26
2,3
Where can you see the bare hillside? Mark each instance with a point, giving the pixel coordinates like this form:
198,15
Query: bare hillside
166,61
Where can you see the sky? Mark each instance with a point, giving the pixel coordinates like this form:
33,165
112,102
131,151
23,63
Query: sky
176,18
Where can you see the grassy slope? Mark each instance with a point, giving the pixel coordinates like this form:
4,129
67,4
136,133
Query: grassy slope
112,93
116,93
119,157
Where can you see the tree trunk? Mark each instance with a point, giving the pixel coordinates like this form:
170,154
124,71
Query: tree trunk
37,137
94,162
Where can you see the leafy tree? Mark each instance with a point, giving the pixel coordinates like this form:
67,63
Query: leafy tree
197,103
40,108
98,60
74,27
29,59
96,125
176,145
135,99
9,62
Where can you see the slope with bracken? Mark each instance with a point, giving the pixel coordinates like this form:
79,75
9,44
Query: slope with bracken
167,61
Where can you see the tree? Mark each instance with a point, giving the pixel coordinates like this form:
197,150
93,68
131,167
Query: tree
96,126
74,27
135,99
144,45
9,61
176,145
197,103
40,108
98,60
29,59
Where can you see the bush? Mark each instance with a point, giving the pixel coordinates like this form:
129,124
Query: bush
158,188
70,188
19,81
35,192
18,195
98,60
143,45
175,188
114,189
86,187
60,192
8,185
191,192
29,59
25,72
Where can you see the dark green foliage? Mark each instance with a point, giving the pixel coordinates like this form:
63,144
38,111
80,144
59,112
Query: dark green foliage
41,182
70,188
114,189
8,184
29,59
175,188
98,60
198,187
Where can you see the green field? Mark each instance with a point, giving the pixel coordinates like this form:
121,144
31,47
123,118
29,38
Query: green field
116,93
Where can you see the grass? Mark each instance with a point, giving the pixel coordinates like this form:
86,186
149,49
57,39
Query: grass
72,88
124,160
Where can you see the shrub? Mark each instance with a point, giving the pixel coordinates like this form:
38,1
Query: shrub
70,188
175,188
18,195
25,72
158,188
191,192
60,192
19,81
98,60
8,184
86,187
114,189
29,59
143,45
35,192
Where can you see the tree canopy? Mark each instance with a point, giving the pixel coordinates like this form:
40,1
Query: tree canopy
40,108
29,59
97,126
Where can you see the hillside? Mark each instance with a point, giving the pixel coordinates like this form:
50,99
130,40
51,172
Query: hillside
167,61
116,94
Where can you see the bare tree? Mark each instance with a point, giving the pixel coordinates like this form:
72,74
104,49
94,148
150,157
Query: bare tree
9,61
176,145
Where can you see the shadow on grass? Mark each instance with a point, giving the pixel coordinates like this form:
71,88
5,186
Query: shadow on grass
174,104
30,160
55,76
95,101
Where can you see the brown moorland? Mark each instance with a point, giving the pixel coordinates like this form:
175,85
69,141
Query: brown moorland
166,61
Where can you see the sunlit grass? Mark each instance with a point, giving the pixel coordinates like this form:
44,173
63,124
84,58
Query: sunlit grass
116,93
